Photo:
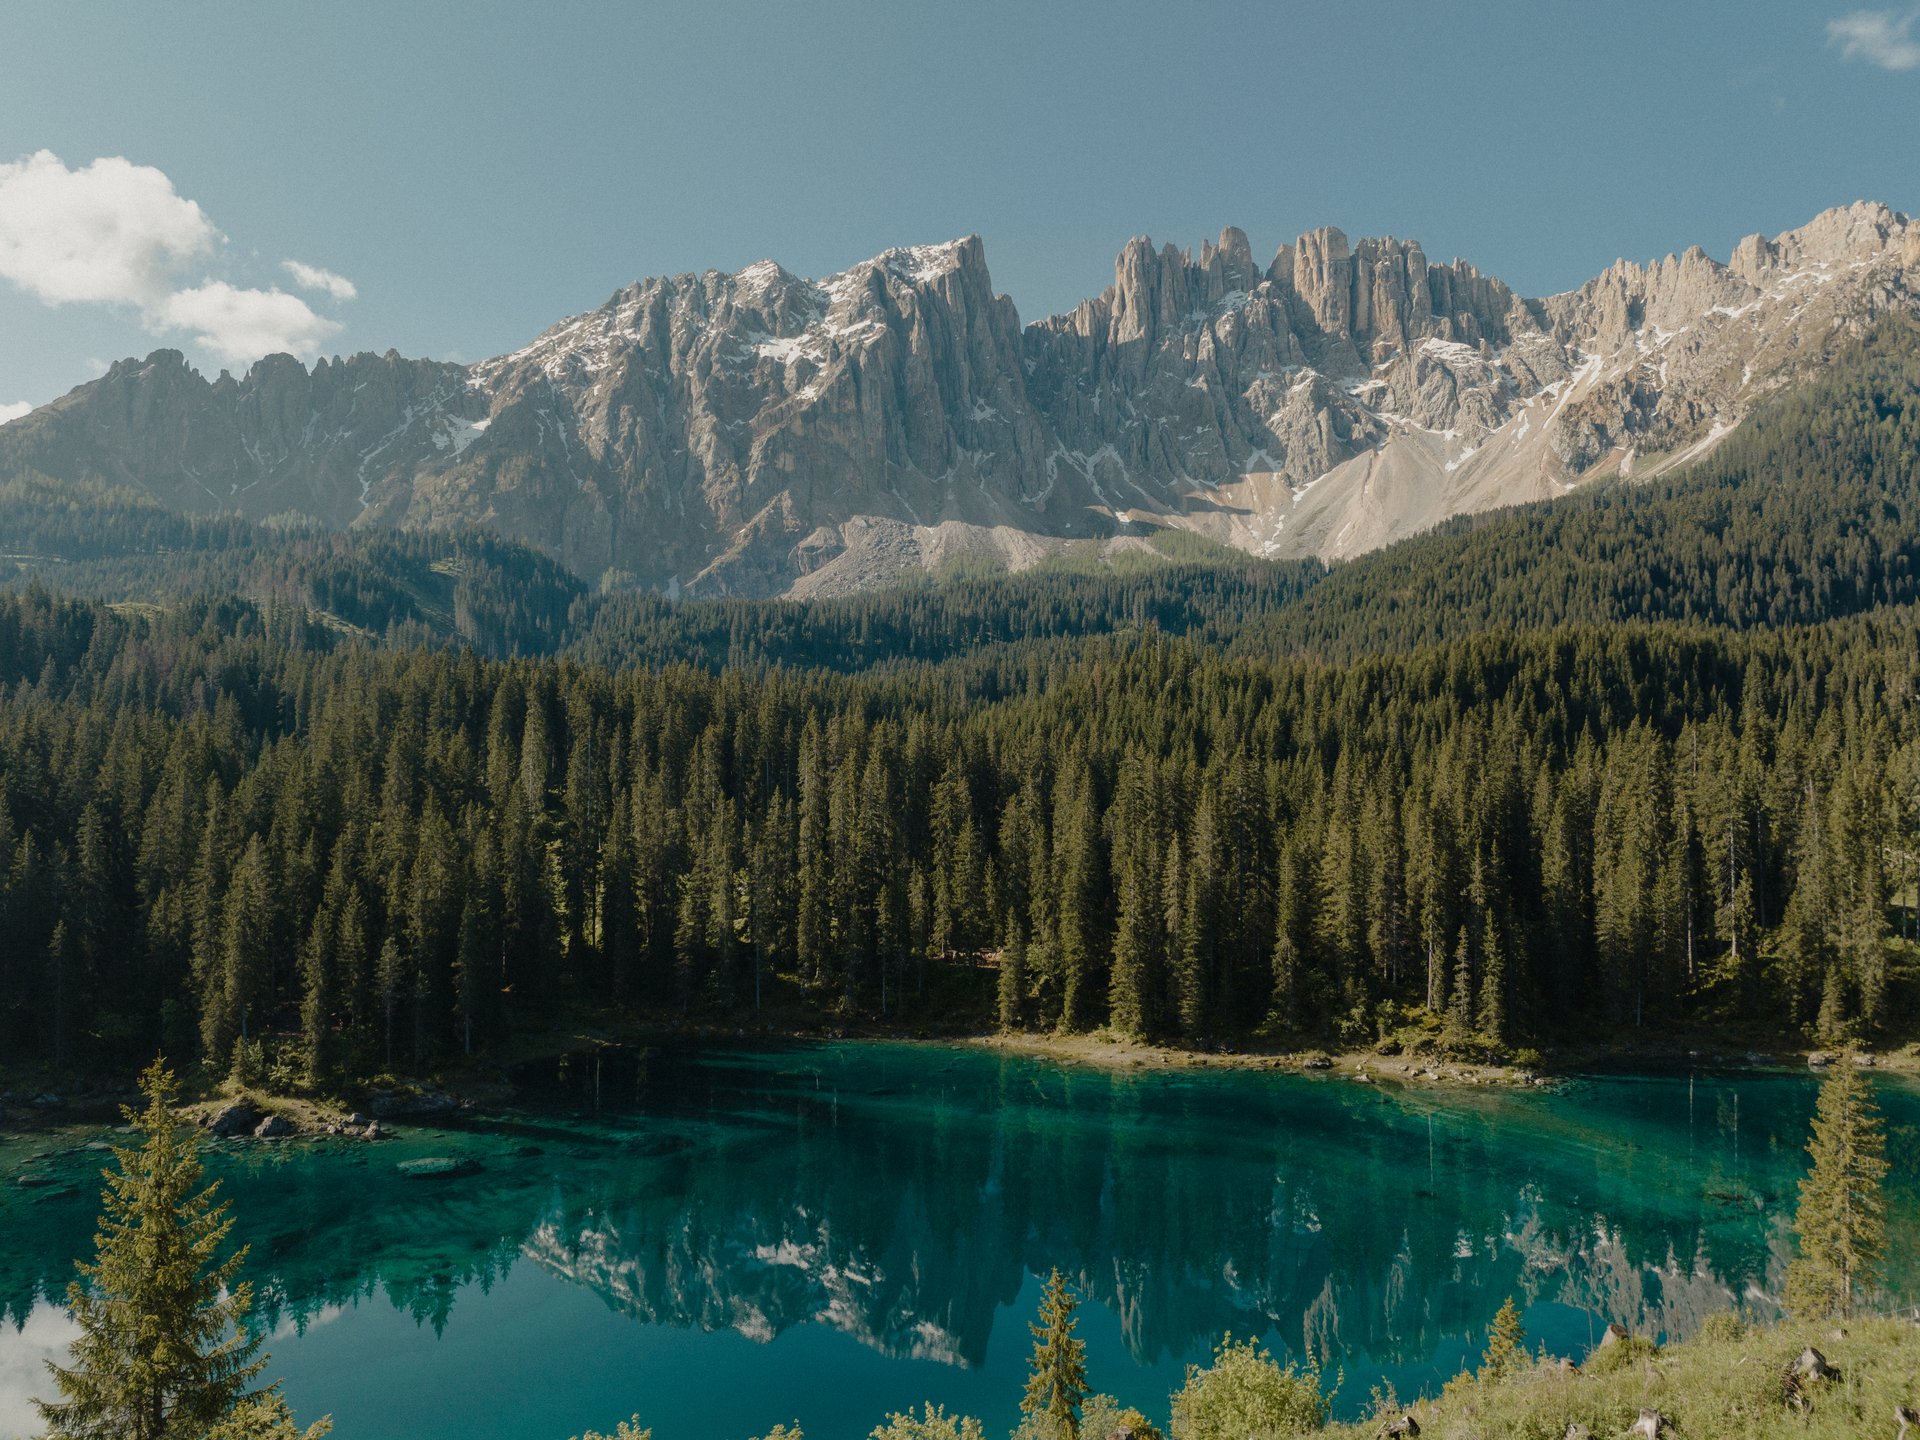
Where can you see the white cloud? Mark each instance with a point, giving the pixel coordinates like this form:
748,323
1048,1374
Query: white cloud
1879,37
45,1335
312,277
109,232
15,410
242,325
116,233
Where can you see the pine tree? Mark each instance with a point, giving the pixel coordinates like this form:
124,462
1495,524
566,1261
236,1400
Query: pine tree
1013,975
1058,1385
1842,1217
163,1353
1506,1343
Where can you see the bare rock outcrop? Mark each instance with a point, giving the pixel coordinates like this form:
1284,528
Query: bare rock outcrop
762,433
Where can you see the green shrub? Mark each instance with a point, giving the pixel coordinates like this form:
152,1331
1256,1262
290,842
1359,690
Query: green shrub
1722,1327
1246,1395
625,1430
1103,1416
1621,1355
934,1424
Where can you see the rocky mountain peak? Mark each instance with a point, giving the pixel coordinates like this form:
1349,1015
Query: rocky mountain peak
759,431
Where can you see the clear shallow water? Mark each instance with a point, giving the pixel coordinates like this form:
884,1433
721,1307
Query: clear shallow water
830,1232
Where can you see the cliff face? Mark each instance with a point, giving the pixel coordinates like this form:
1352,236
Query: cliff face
762,433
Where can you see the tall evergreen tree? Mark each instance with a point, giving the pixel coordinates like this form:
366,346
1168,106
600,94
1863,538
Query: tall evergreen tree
1057,1382
1841,1221
163,1352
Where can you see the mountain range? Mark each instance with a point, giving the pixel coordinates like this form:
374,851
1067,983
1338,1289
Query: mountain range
758,433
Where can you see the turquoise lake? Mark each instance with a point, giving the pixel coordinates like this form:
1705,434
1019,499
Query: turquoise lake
721,1240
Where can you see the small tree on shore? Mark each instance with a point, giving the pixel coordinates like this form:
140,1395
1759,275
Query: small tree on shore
1842,1217
1506,1343
1058,1385
163,1353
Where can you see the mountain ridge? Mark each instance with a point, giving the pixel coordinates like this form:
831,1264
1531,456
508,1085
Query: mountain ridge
762,433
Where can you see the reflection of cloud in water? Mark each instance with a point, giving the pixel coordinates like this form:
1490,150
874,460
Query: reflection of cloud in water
24,1353
906,1198
298,1324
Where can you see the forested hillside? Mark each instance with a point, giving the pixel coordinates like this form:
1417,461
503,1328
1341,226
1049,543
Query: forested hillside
223,825
1645,758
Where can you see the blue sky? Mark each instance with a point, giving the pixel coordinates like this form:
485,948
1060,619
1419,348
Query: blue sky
465,174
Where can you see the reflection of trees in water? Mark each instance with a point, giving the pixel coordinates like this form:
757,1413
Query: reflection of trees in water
1178,1217
906,1202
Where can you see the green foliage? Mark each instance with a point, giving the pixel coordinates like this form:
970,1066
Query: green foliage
1623,1354
1711,1387
1104,1417
625,1430
1506,1344
1841,1219
1057,1382
266,1417
1246,1395
932,1424
163,1352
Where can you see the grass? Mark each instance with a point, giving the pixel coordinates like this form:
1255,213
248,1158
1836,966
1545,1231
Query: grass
1728,1384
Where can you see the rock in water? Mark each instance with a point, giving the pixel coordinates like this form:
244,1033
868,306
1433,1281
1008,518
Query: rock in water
438,1167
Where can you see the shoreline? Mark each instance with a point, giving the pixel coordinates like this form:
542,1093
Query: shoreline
1100,1048
28,1106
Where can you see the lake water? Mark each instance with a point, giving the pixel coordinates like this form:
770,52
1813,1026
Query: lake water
724,1240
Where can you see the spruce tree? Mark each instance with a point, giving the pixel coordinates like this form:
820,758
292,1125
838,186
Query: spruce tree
163,1352
1058,1385
1013,975
1506,1343
1842,1218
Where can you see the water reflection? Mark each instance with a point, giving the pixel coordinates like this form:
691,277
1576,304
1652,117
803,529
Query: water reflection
905,1197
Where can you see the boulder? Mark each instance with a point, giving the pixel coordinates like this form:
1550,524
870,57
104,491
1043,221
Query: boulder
1651,1425
234,1119
1577,1431
1316,1062
1819,1060
274,1127
1813,1366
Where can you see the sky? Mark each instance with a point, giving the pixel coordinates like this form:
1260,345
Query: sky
448,179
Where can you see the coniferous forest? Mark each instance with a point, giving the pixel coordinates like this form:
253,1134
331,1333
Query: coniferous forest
1646,760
